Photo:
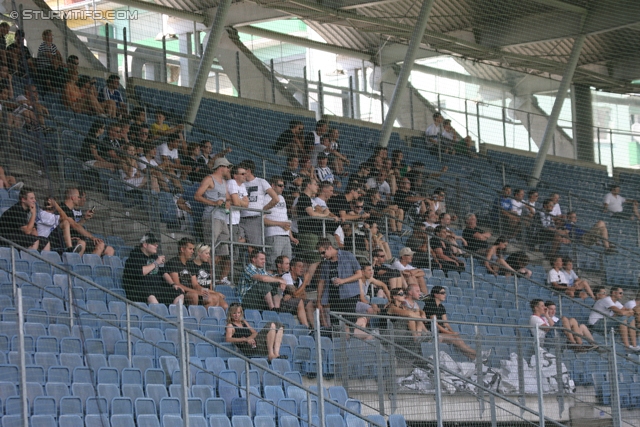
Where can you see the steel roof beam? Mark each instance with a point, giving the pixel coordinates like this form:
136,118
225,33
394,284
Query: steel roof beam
153,7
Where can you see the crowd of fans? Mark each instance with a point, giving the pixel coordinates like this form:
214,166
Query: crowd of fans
289,215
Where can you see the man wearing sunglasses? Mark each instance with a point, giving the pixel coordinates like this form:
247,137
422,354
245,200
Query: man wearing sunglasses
277,232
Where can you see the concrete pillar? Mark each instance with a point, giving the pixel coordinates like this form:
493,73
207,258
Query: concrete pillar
188,67
583,122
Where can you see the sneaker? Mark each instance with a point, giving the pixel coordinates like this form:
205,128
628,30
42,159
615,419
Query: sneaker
634,348
77,249
17,187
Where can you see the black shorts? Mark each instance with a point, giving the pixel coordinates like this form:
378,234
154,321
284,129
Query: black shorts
27,240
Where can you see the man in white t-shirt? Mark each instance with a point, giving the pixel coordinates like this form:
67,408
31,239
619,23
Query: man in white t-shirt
612,307
556,211
237,193
540,318
295,299
434,132
409,272
251,222
614,204
514,214
277,230
380,182
168,159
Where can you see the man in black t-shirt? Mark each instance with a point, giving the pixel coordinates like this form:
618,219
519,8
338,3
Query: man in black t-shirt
340,204
410,202
143,280
477,239
18,223
182,274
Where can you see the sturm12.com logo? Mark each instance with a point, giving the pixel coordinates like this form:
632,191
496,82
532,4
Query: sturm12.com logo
76,14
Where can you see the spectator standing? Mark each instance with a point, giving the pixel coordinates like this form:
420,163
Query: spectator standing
258,188
434,133
49,62
239,198
111,92
315,137
277,231
324,172
19,56
291,141
213,194
142,278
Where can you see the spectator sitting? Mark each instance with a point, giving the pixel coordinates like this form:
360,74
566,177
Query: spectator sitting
377,239
611,306
385,273
477,239
376,161
19,56
572,329
340,205
290,175
573,281
434,133
413,205
149,159
443,251
142,280
418,242
324,172
9,182
546,230
597,235
557,211
430,220
181,273
290,143
284,298
434,308
450,138
139,137
111,144
249,342
74,200
89,103
306,169
380,183
398,166
518,261
437,202
634,304
92,149
411,274
111,92
201,265
540,318
25,115
207,158
168,159
496,263
256,284
133,176
71,93
614,204
531,203
397,307
7,106
198,170
6,79
466,147
160,129
379,210
314,138
295,292
359,179
445,221
364,306
49,63
18,223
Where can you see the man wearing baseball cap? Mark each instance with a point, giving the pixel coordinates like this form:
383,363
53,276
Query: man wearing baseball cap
143,279
411,274
213,194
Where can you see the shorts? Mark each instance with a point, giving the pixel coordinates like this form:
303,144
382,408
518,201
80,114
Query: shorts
27,240
280,245
220,231
254,298
152,284
306,249
344,305
598,327
290,305
252,227
362,307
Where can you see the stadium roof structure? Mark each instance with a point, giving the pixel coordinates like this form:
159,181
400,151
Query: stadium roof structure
499,39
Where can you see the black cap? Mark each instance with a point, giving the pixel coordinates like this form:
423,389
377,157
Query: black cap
149,238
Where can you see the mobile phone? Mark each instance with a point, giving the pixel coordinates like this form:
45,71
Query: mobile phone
93,208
